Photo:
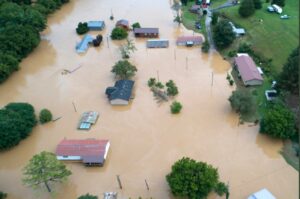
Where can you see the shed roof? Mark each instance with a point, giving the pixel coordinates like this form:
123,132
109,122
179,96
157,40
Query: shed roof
84,148
84,44
123,89
96,24
247,68
146,30
189,38
262,194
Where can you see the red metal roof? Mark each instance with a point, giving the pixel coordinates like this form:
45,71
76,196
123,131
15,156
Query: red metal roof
88,147
189,38
247,68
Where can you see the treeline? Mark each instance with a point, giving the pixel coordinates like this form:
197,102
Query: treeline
20,24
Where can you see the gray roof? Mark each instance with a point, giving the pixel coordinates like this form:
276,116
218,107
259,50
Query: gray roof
146,30
157,43
123,89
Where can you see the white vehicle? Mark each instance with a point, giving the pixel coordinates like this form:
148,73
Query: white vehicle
277,8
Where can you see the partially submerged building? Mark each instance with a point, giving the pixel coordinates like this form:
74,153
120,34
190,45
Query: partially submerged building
123,23
157,43
91,152
189,40
262,194
87,119
248,70
120,94
146,32
96,25
83,45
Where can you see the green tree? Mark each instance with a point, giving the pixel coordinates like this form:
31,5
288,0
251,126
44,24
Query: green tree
205,46
257,4
242,101
215,17
172,89
151,82
136,25
246,8
45,116
127,49
278,121
175,107
223,35
280,3
192,179
44,169
178,19
118,34
2,195
50,5
124,69
82,28
184,2
88,196
288,79
8,64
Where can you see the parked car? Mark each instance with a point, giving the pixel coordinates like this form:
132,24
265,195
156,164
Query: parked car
271,9
284,17
198,25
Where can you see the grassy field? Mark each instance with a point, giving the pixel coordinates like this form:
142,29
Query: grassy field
189,19
217,3
269,35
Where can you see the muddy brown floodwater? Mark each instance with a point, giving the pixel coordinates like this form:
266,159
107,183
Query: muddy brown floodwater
146,139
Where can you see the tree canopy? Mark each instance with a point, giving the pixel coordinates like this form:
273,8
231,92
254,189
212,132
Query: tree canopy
88,196
288,79
118,34
280,3
192,179
278,121
44,169
246,8
223,34
124,69
45,116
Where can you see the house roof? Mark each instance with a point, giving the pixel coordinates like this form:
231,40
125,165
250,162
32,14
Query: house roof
146,30
247,68
123,89
195,7
84,44
262,194
95,24
189,38
122,22
90,150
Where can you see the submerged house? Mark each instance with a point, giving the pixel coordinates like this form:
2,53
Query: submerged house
96,25
120,94
123,23
248,71
157,43
87,120
146,32
83,45
189,40
91,152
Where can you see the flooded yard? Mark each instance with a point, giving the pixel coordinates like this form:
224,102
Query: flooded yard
146,139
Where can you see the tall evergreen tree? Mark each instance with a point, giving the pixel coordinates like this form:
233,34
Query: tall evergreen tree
257,4
280,3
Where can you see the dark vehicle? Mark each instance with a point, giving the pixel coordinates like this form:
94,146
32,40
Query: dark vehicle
198,25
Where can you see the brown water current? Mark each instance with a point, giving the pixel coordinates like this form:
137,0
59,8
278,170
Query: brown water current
146,139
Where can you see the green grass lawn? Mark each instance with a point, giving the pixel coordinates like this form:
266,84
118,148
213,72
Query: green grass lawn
189,19
274,38
217,3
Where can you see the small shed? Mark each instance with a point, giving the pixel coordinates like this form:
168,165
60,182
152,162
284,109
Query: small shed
146,32
91,152
83,45
123,23
237,31
87,120
195,9
120,94
262,194
248,70
96,25
157,43
110,195
188,40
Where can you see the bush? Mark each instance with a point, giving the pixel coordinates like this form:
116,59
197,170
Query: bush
176,107
172,89
242,101
45,116
278,121
231,53
151,82
159,85
205,46
118,34
215,17
88,196
82,28
2,195
136,25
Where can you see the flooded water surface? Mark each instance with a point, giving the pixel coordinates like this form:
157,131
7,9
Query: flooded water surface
146,139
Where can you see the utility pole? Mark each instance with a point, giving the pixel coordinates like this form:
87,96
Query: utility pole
119,182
